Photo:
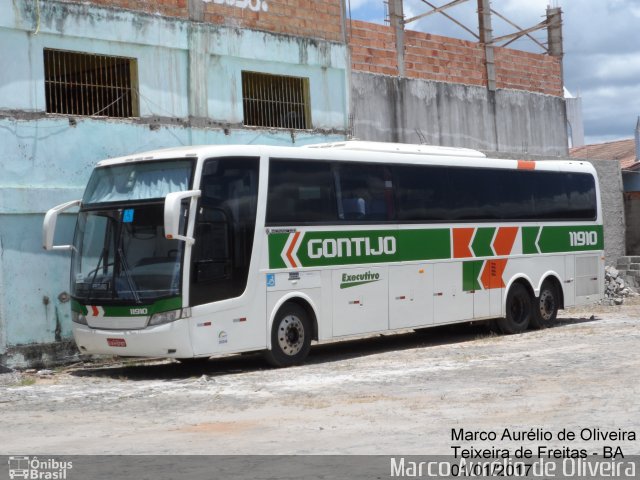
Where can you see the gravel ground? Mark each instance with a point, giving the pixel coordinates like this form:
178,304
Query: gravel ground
382,395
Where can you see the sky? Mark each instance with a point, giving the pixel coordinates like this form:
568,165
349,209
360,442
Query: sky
601,47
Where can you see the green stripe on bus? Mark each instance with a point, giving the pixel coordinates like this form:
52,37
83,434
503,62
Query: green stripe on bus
316,249
481,244
276,246
576,238
159,306
334,248
529,236
470,273
78,307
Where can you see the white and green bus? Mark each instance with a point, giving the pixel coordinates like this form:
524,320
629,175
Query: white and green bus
201,251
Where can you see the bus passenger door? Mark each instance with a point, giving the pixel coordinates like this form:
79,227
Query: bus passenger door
410,296
360,300
450,302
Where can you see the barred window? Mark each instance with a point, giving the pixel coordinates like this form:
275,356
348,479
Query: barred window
88,84
276,101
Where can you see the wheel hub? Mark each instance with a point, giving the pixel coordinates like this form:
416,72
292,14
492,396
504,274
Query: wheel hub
547,305
291,335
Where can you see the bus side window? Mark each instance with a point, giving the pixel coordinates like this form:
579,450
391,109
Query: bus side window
300,192
366,191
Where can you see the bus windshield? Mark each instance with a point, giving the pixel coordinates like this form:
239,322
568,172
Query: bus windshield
121,254
137,181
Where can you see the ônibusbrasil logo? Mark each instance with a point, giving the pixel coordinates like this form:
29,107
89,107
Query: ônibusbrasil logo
354,279
38,469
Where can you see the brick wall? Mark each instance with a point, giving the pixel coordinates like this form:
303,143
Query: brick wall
427,56
443,59
305,18
169,8
373,48
528,71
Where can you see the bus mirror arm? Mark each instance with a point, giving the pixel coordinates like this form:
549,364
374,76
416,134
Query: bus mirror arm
49,225
172,213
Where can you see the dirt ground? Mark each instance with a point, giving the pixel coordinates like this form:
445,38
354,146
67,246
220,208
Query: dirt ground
392,394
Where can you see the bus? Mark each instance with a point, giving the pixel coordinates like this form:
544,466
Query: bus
195,252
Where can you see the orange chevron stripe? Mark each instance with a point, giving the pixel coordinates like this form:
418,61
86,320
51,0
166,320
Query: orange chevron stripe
291,247
492,271
505,238
526,165
461,240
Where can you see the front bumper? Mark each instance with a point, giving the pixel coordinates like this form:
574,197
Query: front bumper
168,340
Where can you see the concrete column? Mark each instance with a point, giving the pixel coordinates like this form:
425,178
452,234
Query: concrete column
554,31
554,35
196,10
198,62
396,16
486,37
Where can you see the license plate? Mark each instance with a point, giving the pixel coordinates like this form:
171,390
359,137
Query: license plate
117,342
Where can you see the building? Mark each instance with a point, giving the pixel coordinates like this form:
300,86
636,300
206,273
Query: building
103,78
575,124
622,151
626,155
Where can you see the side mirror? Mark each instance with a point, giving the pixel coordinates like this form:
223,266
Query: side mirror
173,214
49,226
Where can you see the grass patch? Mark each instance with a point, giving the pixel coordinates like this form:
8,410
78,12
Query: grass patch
26,382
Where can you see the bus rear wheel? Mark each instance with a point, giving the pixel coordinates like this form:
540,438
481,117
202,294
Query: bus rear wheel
545,309
290,336
519,310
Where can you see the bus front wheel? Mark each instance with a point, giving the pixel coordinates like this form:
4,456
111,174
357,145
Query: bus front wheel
290,336
519,310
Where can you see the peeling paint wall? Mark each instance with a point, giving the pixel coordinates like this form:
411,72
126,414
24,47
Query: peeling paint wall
190,93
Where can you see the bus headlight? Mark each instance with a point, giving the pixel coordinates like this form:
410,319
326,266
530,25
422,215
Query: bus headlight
164,317
78,318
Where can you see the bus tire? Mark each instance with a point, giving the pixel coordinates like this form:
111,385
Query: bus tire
518,312
545,309
290,336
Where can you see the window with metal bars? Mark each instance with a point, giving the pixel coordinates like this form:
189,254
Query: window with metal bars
276,101
88,84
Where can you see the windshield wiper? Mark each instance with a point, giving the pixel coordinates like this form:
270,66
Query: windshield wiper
95,274
125,269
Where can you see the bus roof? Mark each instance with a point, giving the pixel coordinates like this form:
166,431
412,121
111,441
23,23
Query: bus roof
350,150
400,148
